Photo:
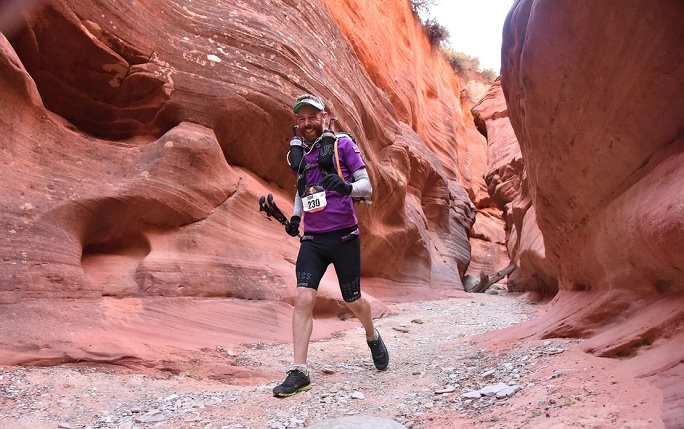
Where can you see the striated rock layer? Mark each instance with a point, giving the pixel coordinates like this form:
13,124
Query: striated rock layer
508,187
137,138
421,91
595,96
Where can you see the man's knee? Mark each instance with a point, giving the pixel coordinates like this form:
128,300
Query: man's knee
305,298
359,304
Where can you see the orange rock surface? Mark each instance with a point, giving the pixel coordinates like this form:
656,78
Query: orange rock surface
138,137
508,187
595,97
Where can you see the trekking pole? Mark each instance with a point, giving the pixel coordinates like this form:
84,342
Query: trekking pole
269,207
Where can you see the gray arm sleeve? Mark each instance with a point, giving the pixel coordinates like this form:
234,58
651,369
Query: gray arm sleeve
298,205
361,186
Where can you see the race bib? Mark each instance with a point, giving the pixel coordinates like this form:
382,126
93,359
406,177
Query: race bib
314,199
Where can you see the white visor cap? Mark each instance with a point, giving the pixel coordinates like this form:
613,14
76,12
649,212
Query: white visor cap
313,102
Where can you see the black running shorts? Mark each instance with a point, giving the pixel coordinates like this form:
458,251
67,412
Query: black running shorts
342,248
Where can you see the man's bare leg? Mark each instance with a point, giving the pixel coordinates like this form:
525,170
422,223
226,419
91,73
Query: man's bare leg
362,310
302,323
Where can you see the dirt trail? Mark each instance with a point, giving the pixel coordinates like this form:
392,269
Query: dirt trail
435,380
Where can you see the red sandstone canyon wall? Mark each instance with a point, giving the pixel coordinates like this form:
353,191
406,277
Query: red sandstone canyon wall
138,137
508,187
595,96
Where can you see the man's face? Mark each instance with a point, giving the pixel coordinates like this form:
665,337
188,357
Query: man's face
311,122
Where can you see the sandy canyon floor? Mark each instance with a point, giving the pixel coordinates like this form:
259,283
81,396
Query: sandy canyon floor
440,376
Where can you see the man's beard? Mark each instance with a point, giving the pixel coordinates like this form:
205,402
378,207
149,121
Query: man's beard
317,131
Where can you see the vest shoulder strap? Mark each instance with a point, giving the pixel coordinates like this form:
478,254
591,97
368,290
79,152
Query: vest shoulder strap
337,159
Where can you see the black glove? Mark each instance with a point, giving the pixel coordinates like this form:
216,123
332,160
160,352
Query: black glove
333,182
292,228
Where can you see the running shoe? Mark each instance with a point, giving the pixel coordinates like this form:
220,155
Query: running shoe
296,381
379,352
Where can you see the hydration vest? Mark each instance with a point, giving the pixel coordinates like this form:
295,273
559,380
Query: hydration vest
328,148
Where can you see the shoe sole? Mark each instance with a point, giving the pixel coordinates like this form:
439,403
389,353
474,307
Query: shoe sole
285,395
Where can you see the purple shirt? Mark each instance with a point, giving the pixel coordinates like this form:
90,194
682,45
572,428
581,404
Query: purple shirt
339,212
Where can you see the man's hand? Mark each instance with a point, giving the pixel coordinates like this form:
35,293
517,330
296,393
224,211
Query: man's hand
295,141
333,182
292,228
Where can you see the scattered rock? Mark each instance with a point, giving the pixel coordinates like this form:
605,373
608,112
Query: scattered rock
492,389
358,422
152,416
488,373
507,391
473,394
